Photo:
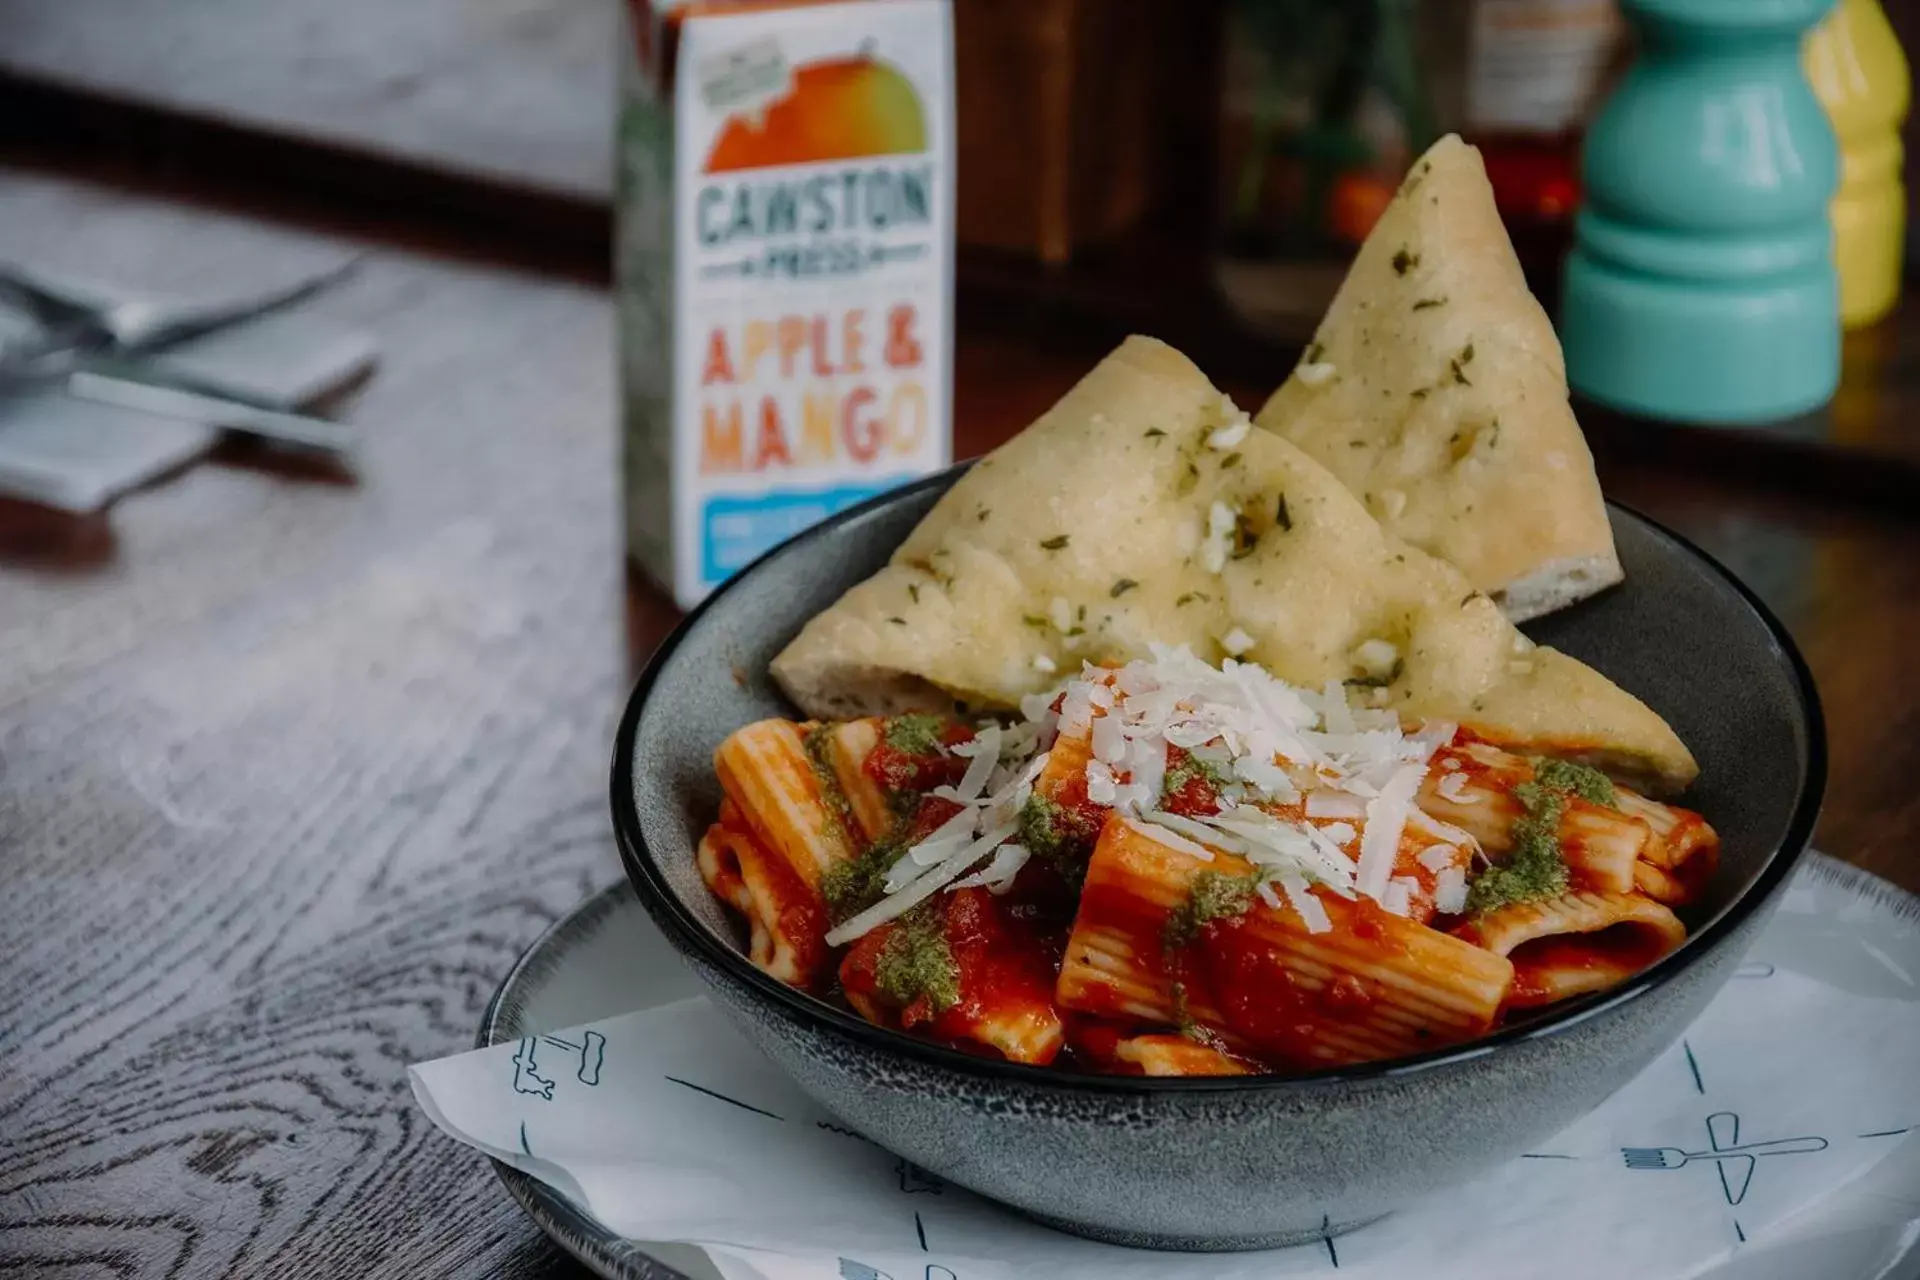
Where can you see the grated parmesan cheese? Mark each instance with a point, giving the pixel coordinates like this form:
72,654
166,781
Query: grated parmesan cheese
1236,642
908,896
985,753
1102,788
998,875
1221,519
1313,913
1341,833
1354,773
1332,804
1231,434
1375,657
1315,374
1386,819
1172,839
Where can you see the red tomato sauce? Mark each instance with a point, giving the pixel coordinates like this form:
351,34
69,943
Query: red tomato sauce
1004,962
897,770
1079,819
800,915
1262,1003
930,813
1196,796
1616,951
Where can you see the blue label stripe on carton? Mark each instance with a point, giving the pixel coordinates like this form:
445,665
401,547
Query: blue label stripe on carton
735,530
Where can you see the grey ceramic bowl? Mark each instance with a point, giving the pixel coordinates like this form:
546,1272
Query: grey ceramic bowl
1257,1161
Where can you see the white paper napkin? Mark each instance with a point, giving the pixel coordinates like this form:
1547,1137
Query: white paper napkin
75,455
1798,1080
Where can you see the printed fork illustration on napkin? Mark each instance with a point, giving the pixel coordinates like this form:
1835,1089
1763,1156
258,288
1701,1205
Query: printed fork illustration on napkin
1735,1162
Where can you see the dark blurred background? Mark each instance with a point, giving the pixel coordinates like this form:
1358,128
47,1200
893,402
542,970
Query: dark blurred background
1196,169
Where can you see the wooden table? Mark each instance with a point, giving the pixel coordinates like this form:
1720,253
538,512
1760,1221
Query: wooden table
294,761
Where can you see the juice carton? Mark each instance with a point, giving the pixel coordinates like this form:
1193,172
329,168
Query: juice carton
785,269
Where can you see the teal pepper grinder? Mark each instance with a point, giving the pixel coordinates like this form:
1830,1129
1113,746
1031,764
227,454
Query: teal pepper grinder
1701,285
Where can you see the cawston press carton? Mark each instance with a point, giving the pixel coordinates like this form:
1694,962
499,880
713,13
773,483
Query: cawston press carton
785,270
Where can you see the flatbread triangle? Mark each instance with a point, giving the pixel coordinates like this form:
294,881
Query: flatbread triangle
1144,507
1435,390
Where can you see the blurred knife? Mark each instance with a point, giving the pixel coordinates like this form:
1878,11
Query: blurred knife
226,415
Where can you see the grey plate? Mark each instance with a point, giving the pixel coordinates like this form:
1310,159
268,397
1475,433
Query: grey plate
601,959
605,958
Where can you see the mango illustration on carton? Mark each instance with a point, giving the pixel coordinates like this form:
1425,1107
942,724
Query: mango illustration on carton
838,109
785,270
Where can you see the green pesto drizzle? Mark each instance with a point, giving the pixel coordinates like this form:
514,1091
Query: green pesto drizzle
1062,838
1574,779
916,961
1535,867
1213,895
917,733
856,884
1176,779
839,812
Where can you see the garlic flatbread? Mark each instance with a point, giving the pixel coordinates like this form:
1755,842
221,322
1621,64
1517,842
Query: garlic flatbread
1435,390
1145,508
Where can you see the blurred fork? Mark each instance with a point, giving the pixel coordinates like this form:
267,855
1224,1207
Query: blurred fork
75,324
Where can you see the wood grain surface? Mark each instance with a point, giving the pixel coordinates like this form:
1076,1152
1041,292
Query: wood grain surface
294,761
517,90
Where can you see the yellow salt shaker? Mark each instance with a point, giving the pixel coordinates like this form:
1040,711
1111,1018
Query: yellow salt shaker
1857,69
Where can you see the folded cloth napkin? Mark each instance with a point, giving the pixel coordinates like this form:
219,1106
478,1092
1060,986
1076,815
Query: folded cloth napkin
76,454
1796,1081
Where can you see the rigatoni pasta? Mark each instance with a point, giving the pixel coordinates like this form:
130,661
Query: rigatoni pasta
1576,943
786,919
794,810
1172,938
1170,868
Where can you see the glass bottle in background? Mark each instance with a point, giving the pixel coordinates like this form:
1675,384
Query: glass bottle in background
1326,102
1859,73
1534,72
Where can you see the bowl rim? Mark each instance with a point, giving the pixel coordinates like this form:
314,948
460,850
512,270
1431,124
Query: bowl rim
688,934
